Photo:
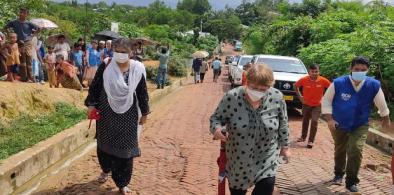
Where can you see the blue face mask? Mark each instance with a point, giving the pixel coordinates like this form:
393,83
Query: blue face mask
359,76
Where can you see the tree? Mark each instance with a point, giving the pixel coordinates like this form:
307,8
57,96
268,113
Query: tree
311,8
9,9
194,6
247,12
186,5
201,7
130,30
74,3
224,25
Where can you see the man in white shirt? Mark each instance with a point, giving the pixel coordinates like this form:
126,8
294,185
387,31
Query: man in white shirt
62,47
346,106
36,59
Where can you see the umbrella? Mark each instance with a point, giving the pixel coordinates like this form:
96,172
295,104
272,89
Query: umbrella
144,41
200,54
43,23
52,40
106,35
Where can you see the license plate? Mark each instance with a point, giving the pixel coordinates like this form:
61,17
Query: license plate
288,97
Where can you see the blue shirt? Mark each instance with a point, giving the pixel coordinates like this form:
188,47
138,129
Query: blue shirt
24,30
216,64
42,51
108,53
77,58
94,57
163,59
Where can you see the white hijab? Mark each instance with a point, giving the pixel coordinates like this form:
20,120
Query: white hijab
120,95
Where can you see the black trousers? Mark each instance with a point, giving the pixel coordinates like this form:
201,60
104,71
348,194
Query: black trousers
121,168
202,75
263,187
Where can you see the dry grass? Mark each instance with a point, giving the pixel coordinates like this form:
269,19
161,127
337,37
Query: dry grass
32,99
151,63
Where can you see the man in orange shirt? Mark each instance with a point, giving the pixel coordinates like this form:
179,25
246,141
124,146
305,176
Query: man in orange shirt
244,72
313,87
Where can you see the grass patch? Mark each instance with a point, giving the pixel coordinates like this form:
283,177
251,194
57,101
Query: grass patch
25,131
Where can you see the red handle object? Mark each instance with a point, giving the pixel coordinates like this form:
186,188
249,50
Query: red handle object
222,161
94,115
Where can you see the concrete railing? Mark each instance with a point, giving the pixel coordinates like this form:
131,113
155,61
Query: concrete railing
380,140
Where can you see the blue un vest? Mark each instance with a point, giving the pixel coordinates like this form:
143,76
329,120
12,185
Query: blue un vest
351,109
94,57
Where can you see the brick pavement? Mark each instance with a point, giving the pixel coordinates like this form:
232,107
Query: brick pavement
311,170
179,155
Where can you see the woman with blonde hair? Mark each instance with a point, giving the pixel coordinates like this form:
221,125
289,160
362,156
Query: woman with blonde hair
256,133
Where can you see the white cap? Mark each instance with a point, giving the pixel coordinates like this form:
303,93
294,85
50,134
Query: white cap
102,42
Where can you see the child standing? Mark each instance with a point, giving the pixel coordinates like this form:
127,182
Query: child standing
50,61
12,57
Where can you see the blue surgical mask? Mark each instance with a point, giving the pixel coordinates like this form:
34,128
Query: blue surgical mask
359,76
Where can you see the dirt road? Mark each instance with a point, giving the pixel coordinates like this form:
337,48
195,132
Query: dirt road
179,155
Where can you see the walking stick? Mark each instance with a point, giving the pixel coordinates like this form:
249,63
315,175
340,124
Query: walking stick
222,160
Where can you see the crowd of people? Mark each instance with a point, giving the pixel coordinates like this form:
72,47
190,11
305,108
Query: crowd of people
25,58
200,66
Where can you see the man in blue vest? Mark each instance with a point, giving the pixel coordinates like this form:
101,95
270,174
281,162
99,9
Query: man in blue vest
347,105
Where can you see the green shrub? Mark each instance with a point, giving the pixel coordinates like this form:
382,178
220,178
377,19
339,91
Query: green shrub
177,67
27,131
151,73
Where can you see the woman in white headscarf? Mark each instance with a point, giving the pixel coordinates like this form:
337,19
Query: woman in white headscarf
119,93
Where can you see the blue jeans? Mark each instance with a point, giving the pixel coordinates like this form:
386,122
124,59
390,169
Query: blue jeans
38,72
161,76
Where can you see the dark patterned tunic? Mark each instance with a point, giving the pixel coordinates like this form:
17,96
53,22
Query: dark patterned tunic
117,133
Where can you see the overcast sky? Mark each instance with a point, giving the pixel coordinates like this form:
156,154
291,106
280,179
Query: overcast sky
216,4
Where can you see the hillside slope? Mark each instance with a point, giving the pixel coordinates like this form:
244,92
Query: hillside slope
33,99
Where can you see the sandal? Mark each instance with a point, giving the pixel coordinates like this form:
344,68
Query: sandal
300,139
103,177
125,190
310,145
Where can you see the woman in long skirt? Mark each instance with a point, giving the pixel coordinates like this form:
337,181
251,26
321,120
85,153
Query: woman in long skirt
118,91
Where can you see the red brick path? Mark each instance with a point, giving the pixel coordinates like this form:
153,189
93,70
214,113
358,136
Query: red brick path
311,170
179,155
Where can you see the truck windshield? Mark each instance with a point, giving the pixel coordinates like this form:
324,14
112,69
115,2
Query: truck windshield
244,60
284,65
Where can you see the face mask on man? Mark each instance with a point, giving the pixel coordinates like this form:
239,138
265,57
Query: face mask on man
255,95
359,76
121,57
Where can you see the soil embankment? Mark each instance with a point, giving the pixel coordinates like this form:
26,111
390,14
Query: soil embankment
32,99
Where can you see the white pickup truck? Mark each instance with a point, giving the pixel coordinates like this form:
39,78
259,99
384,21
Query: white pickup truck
287,71
237,68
